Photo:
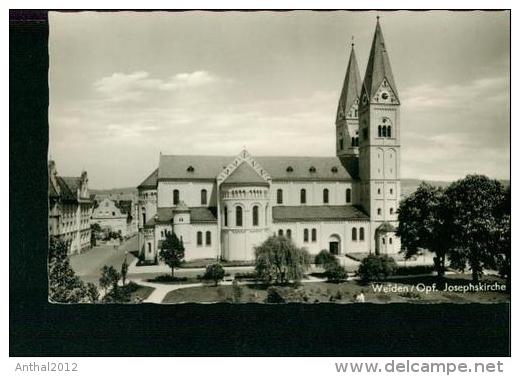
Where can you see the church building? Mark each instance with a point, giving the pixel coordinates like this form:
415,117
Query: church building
224,206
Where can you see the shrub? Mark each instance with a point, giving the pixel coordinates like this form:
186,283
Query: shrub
250,275
274,295
376,268
335,272
167,278
414,270
214,272
324,258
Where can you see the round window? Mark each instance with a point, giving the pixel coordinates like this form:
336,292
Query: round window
384,96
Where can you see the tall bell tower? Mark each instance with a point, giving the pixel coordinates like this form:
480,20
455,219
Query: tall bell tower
347,126
379,147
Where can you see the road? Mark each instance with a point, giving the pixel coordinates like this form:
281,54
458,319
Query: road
88,265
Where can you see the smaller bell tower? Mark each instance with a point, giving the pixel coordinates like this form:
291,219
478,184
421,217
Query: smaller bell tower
347,125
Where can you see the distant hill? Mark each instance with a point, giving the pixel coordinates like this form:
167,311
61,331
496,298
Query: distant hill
113,191
407,187
127,193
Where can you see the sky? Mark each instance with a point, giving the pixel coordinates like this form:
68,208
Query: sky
127,86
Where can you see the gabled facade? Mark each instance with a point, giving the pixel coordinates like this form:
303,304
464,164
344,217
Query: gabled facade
222,206
110,217
70,209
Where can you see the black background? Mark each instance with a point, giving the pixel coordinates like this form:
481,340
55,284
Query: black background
38,328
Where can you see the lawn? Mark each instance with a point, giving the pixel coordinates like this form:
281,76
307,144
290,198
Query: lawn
141,293
216,294
322,292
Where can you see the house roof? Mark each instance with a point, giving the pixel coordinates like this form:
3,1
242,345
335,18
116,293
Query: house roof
197,215
68,187
150,181
245,174
193,167
386,227
378,67
351,87
317,213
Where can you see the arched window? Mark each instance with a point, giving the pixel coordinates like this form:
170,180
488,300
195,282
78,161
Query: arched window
149,247
354,234
306,235
390,240
378,211
279,196
255,215
325,196
384,130
383,240
303,196
389,131
353,141
313,235
225,216
208,237
391,210
379,132
199,237
348,194
280,232
340,144
361,233
203,197
288,233
144,219
238,214
175,197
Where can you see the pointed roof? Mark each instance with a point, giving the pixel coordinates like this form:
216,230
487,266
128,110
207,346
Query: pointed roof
351,87
245,174
378,67
150,181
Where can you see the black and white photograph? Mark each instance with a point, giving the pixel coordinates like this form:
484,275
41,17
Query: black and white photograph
293,157
270,190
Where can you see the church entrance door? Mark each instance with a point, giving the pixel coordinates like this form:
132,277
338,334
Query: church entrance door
334,248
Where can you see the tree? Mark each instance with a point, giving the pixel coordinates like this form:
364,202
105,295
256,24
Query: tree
109,278
278,260
237,291
422,224
474,211
376,268
214,272
124,270
502,238
92,292
64,285
325,257
172,251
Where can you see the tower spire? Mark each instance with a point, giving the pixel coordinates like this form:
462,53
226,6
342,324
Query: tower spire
351,86
378,67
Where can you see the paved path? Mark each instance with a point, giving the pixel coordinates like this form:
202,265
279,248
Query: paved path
88,265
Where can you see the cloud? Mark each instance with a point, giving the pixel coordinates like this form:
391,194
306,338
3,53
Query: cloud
436,96
133,86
